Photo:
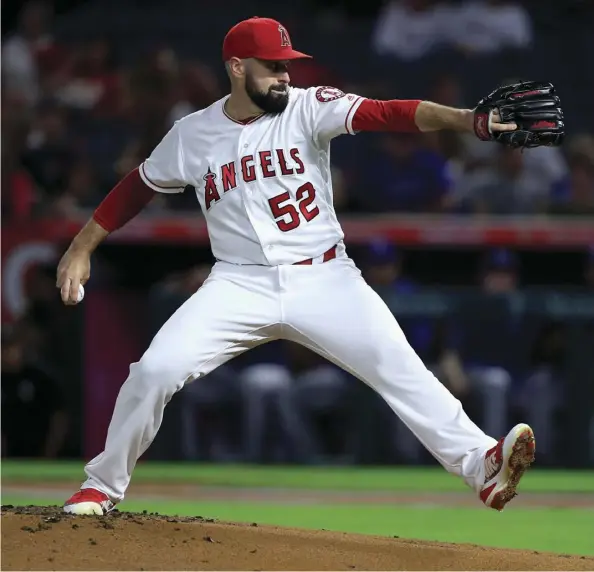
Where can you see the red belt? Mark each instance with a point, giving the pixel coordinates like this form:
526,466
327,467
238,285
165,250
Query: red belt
328,255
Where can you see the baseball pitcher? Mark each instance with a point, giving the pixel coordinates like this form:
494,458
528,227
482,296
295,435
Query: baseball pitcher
259,161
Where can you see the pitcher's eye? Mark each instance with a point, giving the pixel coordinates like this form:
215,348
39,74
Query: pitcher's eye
281,67
277,67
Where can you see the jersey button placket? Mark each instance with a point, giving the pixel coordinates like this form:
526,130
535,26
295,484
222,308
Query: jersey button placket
248,191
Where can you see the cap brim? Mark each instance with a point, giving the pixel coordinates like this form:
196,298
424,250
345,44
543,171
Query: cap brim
287,55
295,55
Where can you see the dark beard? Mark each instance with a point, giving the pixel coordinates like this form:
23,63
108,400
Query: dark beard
268,102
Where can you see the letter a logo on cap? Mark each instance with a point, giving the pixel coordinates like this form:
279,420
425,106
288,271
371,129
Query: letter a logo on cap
285,42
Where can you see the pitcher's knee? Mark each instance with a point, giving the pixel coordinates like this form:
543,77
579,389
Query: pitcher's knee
154,373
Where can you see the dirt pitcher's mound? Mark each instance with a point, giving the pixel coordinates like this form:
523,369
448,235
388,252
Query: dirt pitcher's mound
43,538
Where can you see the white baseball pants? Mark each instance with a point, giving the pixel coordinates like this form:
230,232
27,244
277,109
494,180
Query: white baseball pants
327,307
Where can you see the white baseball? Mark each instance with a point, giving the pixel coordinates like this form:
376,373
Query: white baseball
81,293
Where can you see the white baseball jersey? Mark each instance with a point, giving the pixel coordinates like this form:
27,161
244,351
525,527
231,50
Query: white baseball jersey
264,186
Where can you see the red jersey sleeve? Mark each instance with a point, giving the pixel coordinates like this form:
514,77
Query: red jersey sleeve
391,115
124,202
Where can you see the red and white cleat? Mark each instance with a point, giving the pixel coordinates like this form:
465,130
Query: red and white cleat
89,501
505,464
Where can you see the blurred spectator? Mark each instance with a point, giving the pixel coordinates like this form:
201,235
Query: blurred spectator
446,89
409,29
306,401
19,191
198,87
542,393
499,279
546,164
322,393
150,90
90,81
445,362
499,271
382,268
160,89
80,194
209,413
403,176
506,188
30,53
50,150
576,196
478,27
34,423
274,429
581,145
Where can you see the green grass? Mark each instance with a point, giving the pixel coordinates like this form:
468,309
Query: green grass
318,478
553,530
566,530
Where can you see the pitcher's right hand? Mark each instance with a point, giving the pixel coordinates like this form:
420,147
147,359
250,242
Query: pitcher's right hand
74,269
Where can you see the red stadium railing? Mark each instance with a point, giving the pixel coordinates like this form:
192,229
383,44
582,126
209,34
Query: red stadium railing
417,230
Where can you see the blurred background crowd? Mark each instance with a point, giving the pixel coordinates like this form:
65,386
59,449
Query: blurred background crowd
84,100
90,87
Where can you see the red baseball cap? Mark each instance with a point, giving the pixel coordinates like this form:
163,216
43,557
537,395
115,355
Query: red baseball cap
261,38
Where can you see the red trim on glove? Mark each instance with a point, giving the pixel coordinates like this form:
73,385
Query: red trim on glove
124,202
391,115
